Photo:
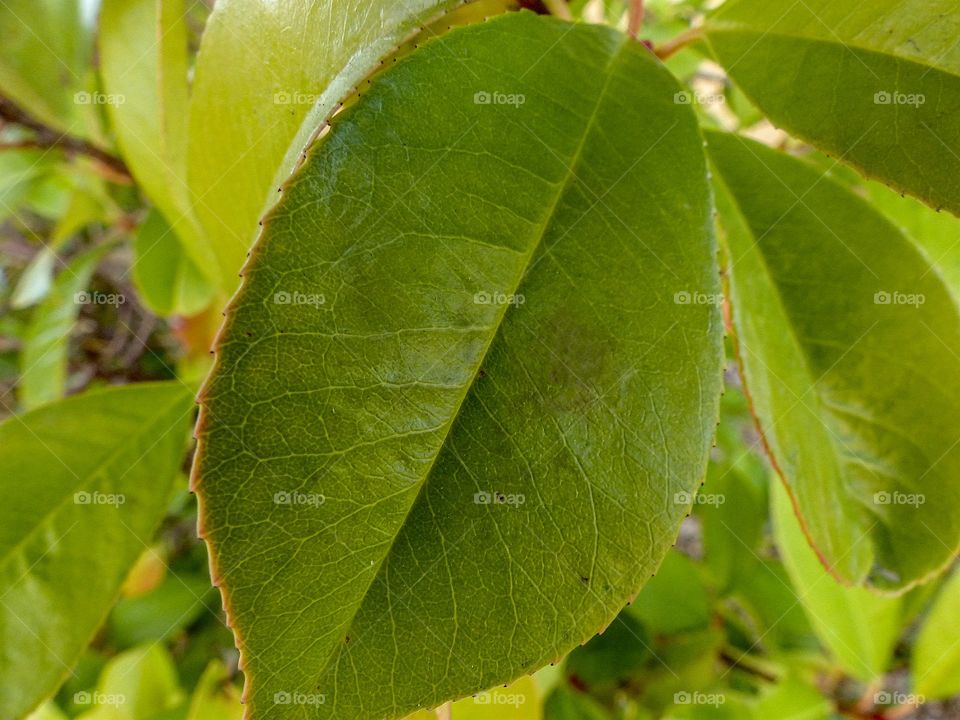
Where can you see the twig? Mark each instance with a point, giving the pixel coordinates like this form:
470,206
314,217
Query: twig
678,43
47,137
444,711
635,18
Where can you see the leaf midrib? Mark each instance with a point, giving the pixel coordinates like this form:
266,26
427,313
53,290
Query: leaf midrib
550,215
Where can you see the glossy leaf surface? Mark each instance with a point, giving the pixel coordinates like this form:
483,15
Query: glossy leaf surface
462,351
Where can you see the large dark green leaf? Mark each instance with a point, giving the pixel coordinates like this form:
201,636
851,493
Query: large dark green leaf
850,346
84,483
458,410
876,84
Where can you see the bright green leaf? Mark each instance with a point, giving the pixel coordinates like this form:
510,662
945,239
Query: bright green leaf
859,627
43,361
167,279
842,327
143,51
139,684
215,697
458,353
249,99
936,653
875,84
46,49
675,599
85,481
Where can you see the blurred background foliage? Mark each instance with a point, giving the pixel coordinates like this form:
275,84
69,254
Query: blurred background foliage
740,623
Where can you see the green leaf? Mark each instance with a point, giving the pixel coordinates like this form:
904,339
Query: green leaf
472,366
675,599
615,655
143,51
841,325
215,698
875,84
859,627
567,704
167,279
936,653
43,361
46,49
139,684
66,539
249,99
162,613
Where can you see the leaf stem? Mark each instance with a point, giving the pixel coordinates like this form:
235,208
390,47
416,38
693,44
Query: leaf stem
46,137
635,18
669,48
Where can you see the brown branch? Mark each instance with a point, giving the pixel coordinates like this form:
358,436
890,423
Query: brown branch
635,18
677,44
46,137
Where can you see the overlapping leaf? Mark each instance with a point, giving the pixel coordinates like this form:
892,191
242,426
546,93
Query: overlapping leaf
262,67
468,386
850,346
876,84
84,482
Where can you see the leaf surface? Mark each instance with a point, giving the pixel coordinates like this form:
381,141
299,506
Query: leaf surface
860,628
143,52
850,346
936,654
263,65
875,84
66,539
455,401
